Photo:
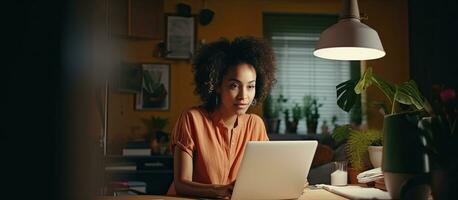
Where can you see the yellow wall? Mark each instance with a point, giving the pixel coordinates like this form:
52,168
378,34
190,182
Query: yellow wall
244,17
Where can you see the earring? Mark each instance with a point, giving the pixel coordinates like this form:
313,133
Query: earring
254,102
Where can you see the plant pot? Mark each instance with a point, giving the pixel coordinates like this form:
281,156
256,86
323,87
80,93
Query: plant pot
352,175
402,158
311,127
272,125
375,155
291,126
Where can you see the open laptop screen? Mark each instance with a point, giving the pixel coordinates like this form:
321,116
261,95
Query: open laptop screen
274,169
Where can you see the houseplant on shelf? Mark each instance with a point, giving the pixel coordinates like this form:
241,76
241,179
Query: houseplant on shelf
311,113
291,126
156,136
401,158
271,112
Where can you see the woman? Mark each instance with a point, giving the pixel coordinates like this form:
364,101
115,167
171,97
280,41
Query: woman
208,142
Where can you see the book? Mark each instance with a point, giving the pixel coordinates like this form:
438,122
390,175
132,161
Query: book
370,175
137,145
137,186
136,148
121,168
136,152
125,187
356,192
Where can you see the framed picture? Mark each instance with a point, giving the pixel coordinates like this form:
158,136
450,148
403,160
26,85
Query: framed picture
155,92
129,77
180,37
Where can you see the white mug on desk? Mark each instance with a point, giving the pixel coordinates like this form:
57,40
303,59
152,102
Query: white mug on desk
339,174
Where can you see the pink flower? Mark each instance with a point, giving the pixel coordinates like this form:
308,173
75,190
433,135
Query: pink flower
447,95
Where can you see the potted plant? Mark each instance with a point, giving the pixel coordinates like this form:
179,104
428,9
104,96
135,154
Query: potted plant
271,112
291,126
360,144
358,147
375,150
401,158
156,136
441,134
311,113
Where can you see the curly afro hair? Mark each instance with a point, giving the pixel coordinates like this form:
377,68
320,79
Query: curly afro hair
213,61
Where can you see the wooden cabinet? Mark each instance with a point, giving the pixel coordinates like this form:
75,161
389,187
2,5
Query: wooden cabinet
137,18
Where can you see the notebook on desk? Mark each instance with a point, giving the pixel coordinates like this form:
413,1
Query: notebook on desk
274,170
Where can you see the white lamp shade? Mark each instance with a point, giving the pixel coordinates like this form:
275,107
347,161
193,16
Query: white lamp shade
349,39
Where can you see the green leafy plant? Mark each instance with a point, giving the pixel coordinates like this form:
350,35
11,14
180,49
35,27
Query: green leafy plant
341,133
291,125
358,142
407,93
297,112
155,123
311,112
440,129
273,106
311,107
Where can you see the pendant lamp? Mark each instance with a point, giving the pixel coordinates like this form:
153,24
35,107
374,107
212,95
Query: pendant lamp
349,39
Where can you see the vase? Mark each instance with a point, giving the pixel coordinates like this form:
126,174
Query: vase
311,126
272,125
375,155
402,158
291,126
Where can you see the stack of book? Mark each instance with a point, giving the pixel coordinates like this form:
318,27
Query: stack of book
128,188
121,166
136,149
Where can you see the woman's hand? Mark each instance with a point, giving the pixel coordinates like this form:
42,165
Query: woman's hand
224,191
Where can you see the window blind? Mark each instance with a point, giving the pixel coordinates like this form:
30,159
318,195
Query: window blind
293,38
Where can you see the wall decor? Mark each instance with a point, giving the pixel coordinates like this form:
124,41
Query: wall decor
181,37
129,77
155,92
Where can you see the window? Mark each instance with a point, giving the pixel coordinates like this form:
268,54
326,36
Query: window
293,38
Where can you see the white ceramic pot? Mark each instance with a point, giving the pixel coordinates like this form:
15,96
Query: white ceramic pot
375,155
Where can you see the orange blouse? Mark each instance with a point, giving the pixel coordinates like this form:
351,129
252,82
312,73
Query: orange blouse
216,151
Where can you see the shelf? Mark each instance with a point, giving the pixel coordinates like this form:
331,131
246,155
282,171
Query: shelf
138,19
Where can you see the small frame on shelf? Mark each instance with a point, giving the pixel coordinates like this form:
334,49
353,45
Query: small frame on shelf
181,37
155,91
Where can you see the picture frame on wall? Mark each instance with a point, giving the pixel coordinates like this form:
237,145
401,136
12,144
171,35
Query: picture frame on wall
155,91
180,37
129,77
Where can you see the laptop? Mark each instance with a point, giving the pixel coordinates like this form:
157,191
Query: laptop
274,169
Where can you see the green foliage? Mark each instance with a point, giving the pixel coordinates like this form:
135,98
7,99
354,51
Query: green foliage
273,106
341,133
311,106
407,93
358,142
155,123
297,112
346,96
267,108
